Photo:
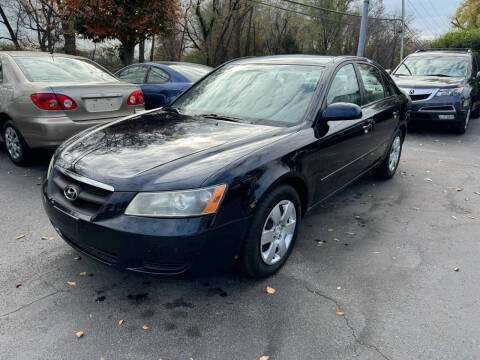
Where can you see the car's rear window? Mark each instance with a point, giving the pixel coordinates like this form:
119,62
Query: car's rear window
191,71
61,69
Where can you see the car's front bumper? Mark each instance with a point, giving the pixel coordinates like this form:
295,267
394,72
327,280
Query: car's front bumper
440,110
163,247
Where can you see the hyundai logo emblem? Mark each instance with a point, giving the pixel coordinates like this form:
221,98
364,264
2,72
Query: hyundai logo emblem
70,192
412,92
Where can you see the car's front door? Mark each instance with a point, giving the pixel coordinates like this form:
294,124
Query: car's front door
341,150
380,104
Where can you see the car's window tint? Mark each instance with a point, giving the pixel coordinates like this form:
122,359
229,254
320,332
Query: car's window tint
430,65
157,76
134,74
280,93
372,82
344,87
191,71
61,69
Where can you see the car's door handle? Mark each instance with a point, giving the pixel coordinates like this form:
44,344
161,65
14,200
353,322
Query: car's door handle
396,114
368,127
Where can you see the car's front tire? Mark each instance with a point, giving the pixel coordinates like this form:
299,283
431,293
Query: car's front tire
17,149
389,165
461,126
272,233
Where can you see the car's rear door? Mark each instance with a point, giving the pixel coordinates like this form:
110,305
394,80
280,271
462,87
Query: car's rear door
381,106
155,88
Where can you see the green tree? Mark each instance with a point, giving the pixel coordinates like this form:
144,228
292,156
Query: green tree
467,15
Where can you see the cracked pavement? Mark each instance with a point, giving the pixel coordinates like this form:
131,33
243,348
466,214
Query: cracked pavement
388,265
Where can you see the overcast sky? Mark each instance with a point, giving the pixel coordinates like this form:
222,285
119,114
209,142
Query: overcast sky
431,17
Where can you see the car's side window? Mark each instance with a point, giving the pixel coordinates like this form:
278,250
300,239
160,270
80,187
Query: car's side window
373,83
134,74
157,76
344,87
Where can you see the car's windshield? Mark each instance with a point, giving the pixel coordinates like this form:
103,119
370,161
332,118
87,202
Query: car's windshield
61,69
279,93
451,66
191,71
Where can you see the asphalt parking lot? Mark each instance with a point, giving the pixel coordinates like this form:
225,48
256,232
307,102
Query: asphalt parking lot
382,253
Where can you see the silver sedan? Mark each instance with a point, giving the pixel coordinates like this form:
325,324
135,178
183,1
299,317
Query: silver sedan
45,99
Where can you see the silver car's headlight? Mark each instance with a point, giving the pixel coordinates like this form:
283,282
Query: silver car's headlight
182,203
449,92
50,166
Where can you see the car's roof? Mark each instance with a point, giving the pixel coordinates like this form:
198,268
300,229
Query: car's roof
442,52
167,63
36,53
292,59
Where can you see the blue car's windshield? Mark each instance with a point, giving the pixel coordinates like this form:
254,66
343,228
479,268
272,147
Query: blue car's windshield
279,93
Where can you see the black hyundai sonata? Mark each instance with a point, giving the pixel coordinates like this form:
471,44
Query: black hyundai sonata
227,171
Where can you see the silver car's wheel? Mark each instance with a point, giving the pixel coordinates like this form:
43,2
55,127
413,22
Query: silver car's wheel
278,232
13,143
395,153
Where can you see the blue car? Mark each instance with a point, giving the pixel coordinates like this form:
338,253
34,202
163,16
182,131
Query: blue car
161,82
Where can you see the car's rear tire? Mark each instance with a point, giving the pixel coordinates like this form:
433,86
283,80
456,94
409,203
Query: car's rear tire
461,127
272,232
389,165
15,145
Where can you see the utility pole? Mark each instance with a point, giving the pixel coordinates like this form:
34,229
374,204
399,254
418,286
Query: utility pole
403,30
363,29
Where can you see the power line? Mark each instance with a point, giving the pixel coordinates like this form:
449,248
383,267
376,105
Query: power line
420,17
337,11
442,18
297,12
432,18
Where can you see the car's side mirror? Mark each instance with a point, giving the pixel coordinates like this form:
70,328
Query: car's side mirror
342,111
389,71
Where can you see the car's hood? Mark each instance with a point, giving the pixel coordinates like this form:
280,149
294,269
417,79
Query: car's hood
136,145
424,82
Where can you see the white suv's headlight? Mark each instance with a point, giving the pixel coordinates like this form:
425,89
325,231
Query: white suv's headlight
50,166
449,92
182,203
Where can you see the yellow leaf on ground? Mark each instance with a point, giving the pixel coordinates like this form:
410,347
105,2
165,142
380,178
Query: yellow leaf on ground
340,313
120,322
428,179
83,273
44,237
264,357
71,283
145,327
52,238
350,233
330,230
17,285
21,236
456,268
270,290
454,217
79,334
458,189
416,208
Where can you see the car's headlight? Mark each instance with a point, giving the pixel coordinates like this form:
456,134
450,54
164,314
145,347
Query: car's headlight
182,203
449,92
50,166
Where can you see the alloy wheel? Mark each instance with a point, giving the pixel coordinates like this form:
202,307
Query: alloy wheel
12,141
278,231
395,154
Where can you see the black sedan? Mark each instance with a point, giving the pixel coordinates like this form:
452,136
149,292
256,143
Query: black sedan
226,173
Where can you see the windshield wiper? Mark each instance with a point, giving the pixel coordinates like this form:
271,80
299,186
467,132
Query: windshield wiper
439,75
168,108
221,117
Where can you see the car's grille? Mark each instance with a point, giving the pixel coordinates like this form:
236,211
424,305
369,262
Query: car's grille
438,108
89,198
419,97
